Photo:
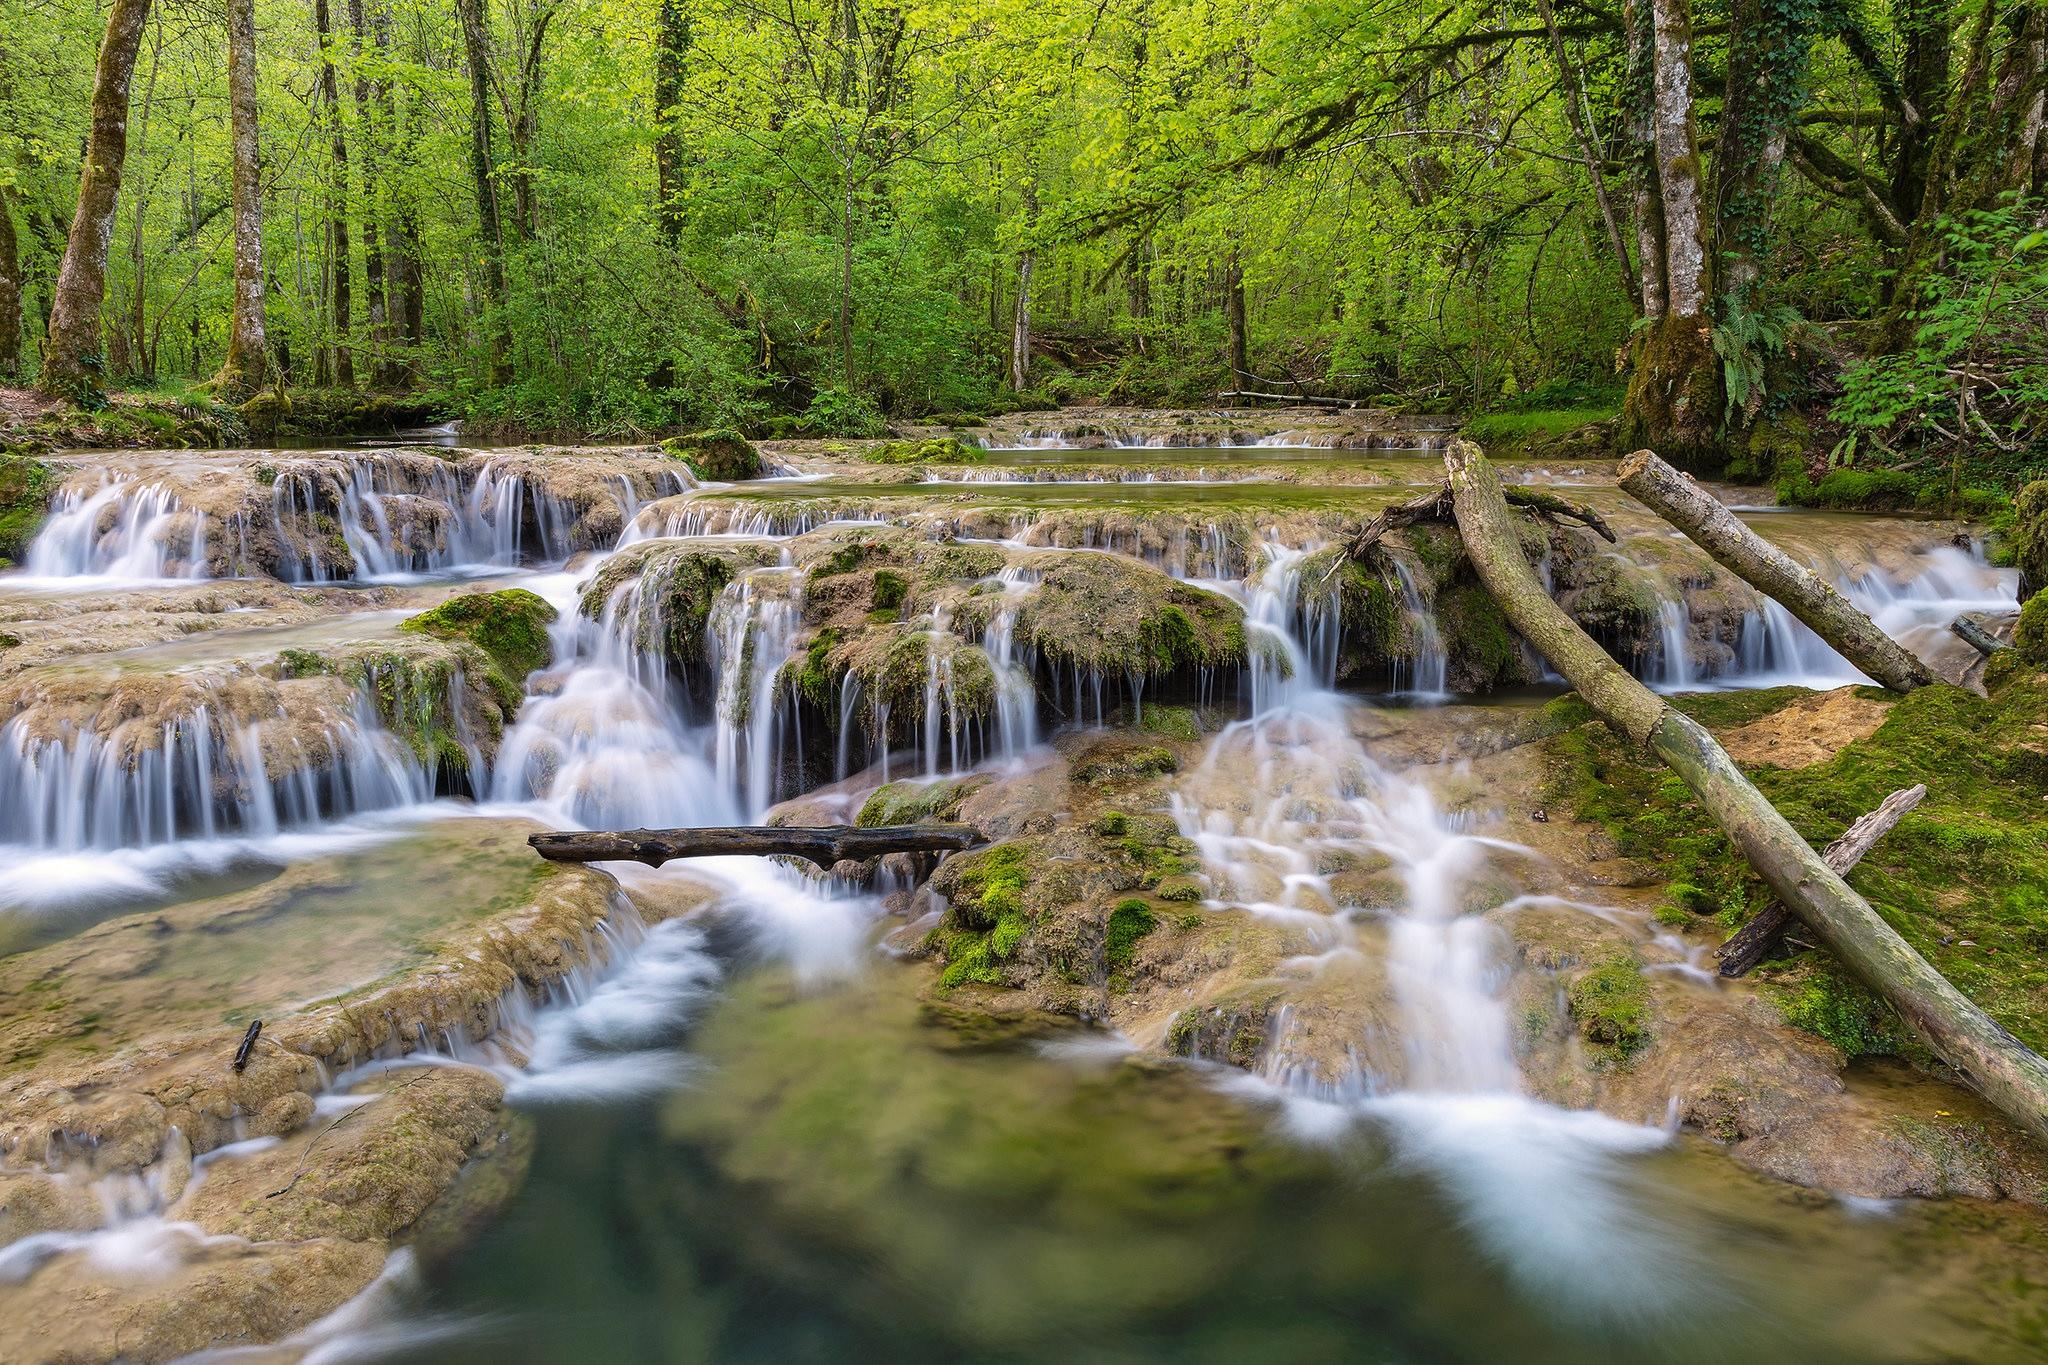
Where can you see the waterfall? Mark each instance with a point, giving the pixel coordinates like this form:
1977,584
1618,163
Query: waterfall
753,633
1016,695
1429,666
121,532
1675,671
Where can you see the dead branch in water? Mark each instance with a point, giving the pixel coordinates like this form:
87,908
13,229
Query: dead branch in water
822,844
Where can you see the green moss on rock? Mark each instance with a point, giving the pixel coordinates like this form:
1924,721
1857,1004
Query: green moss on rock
25,488
721,456
510,626
933,450
1119,618
1611,1004
912,803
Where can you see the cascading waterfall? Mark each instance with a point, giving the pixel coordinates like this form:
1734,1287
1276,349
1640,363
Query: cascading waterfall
120,532
1428,669
754,628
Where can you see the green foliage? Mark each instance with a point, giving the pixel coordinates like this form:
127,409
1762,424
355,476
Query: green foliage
835,412
1749,342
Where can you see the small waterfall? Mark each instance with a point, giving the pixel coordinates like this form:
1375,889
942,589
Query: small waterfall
1016,695
200,775
1428,670
753,633
120,532
1675,672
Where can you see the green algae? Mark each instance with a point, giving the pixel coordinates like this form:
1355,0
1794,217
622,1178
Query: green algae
510,626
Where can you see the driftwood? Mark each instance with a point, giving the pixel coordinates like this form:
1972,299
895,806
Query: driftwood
1549,505
248,1044
1708,522
1996,1064
1757,939
1972,632
1435,505
822,844
1292,398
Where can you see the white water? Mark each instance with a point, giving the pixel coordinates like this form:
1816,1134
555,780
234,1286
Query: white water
118,533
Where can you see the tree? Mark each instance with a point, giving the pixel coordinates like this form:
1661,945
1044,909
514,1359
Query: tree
248,358
72,362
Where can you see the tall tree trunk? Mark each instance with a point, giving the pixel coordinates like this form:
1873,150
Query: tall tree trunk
248,359
1767,53
136,352
845,318
340,268
1020,321
71,364
1926,28
476,43
406,285
368,130
1233,311
1673,402
671,47
10,289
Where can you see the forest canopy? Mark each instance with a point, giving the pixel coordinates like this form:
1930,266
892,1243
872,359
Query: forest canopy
1750,228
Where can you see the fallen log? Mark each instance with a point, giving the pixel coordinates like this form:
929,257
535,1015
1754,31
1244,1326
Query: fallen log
1308,398
1549,505
1972,633
1989,1059
1757,939
1709,524
1435,505
822,844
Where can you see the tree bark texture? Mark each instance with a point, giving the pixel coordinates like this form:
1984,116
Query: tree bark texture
1710,525
1988,1058
10,289
71,350
376,302
476,46
341,365
1759,938
671,49
248,358
822,844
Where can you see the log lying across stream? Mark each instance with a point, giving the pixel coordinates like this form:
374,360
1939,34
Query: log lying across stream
1708,522
1997,1065
822,844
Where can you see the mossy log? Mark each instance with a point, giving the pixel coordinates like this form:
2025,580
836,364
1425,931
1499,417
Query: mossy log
1709,524
1971,631
1988,1058
822,844
1755,940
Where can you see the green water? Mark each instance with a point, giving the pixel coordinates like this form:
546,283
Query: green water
843,1181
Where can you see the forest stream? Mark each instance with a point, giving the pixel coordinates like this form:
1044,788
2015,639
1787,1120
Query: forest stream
1311,996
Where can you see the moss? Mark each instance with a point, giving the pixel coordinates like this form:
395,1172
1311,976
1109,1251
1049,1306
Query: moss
25,488
1483,650
2030,637
891,588
678,586
1611,1003
510,626
1180,887
911,803
2028,536
1112,824
935,450
1119,618
816,676
1824,1000
1113,762
303,663
334,412
985,924
1130,921
1961,878
721,456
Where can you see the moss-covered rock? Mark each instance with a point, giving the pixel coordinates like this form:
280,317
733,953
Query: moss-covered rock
334,412
934,450
720,456
25,487
1118,618
912,803
2030,636
510,626
1610,1002
672,588
985,920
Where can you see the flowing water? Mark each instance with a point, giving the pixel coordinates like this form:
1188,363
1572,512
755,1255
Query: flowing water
750,1144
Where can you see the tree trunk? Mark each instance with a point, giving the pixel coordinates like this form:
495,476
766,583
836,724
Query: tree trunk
407,277
71,359
1925,26
1759,938
1997,1065
1642,65
1767,54
1718,531
476,44
1233,309
10,289
248,358
339,266
671,47
823,844
1673,398
377,303
1020,320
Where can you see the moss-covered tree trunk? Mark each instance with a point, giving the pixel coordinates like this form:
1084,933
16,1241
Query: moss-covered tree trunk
1768,46
337,364
671,47
1674,394
10,288
71,350
1985,1056
376,297
248,348
476,49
